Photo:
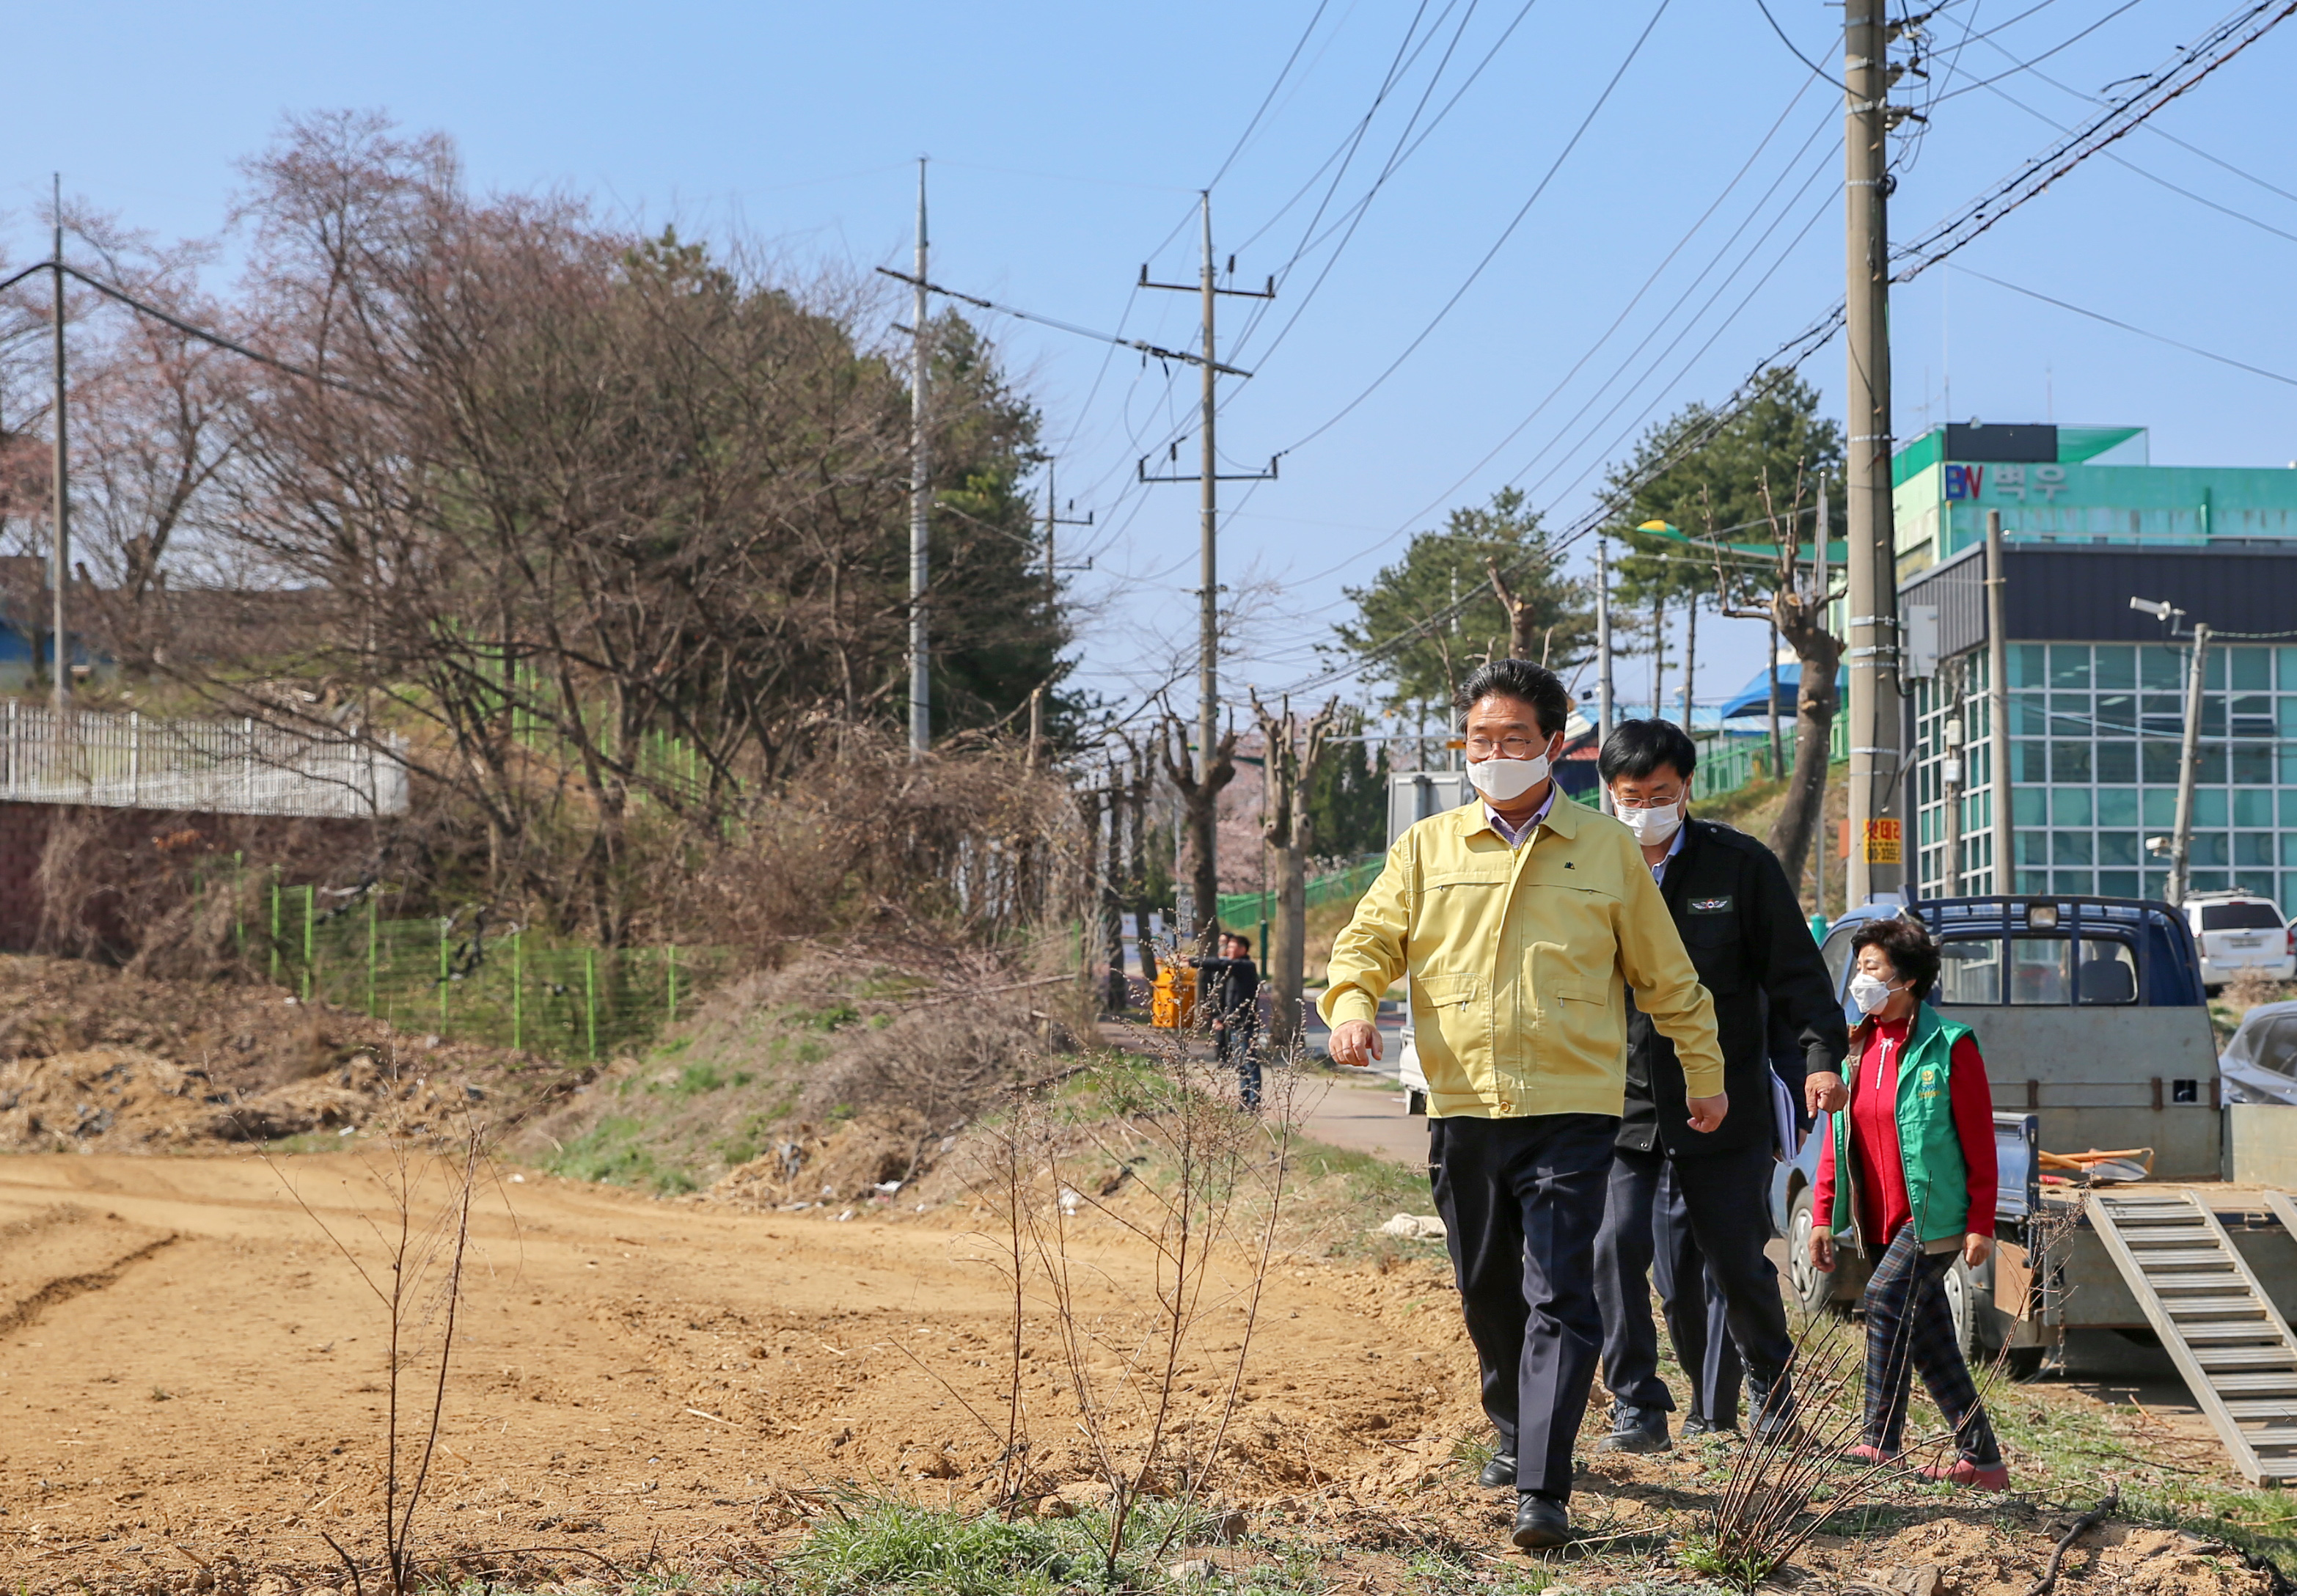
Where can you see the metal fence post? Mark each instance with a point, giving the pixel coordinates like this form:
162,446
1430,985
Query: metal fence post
590,996
370,954
311,932
274,923
444,922
518,991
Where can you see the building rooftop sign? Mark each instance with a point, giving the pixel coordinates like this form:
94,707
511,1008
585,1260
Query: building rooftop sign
2074,485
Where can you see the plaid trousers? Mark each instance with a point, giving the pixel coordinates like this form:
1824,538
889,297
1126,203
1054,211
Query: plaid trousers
1909,1327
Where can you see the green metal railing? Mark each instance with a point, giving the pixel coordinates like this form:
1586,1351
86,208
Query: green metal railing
1729,762
1341,886
452,978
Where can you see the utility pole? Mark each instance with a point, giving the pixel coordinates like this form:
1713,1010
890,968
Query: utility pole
1054,521
2181,844
60,545
920,490
1876,717
1209,478
1997,706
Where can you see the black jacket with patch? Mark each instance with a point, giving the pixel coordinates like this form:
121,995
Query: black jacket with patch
1745,932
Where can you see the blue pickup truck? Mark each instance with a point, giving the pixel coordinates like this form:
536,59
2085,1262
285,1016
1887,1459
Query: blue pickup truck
2094,1028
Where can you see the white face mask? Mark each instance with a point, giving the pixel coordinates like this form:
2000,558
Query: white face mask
1501,780
1652,825
1871,993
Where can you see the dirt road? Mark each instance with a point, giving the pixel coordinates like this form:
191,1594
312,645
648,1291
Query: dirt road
189,1367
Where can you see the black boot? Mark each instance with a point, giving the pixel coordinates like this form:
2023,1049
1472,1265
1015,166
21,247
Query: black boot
1499,1473
1540,1523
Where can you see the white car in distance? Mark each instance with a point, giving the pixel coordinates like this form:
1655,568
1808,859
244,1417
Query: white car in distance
2241,932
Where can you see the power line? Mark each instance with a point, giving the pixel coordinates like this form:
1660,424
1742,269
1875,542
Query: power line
2027,66
1971,271
1594,348
2180,75
1815,70
1507,232
1268,99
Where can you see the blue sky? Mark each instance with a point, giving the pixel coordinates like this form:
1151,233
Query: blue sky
1068,143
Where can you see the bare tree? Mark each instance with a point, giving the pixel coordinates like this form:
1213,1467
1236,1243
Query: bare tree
1293,750
1199,803
1799,614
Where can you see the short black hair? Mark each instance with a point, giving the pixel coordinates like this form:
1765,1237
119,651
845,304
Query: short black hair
1239,937
1636,749
1535,685
1907,945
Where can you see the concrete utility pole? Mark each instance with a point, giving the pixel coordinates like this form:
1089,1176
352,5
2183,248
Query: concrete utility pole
1603,655
61,543
1877,834
1054,521
920,491
1209,478
1824,579
1997,706
2181,844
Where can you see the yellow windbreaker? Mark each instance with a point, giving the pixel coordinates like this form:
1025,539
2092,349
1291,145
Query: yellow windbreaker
1518,959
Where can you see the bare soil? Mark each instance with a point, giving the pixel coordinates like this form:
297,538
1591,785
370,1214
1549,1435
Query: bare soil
192,1390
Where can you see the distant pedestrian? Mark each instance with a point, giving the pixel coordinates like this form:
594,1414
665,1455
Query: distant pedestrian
1521,918
1908,1177
1228,988
1695,1203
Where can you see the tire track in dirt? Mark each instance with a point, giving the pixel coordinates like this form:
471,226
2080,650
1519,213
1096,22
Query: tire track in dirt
24,1310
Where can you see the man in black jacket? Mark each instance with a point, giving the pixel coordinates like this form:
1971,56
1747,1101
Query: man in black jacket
1227,988
1700,1199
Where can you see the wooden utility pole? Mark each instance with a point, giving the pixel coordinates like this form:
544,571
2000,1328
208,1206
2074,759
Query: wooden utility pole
1204,872
1877,834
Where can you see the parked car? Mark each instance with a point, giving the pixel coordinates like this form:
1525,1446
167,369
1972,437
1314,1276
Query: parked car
2259,1064
2238,932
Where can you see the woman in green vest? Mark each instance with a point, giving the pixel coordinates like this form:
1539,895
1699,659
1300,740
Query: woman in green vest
1907,1177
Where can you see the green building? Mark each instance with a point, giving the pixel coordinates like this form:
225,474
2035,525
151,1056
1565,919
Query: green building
2097,689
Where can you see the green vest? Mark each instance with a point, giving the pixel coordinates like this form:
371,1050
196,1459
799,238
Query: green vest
1938,1180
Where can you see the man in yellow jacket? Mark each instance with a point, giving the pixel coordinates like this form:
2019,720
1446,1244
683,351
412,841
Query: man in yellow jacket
1521,918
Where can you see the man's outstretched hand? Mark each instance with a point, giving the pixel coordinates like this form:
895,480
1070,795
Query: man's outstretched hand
1355,1044
1706,1113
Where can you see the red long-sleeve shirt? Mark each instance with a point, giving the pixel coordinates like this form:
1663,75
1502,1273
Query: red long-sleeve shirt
1882,1192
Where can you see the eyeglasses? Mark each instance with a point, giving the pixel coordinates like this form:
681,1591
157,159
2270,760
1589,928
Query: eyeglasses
1510,748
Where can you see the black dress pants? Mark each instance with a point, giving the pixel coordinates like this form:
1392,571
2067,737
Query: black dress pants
1716,1245
1521,1200
1647,1240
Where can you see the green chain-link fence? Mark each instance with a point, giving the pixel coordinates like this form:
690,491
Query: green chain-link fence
456,977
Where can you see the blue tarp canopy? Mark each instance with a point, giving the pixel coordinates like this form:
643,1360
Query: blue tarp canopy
1753,699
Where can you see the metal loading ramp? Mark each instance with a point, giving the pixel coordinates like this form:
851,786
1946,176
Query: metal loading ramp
2213,1318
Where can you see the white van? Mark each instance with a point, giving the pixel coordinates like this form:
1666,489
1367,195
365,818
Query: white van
2241,931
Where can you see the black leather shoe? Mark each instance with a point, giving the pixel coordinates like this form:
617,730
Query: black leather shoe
1499,1472
1771,1403
1635,1429
1540,1523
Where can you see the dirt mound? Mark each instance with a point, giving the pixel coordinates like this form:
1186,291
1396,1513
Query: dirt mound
95,1059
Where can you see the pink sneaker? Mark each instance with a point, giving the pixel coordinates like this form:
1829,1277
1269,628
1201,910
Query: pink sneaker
1866,1452
1961,1471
